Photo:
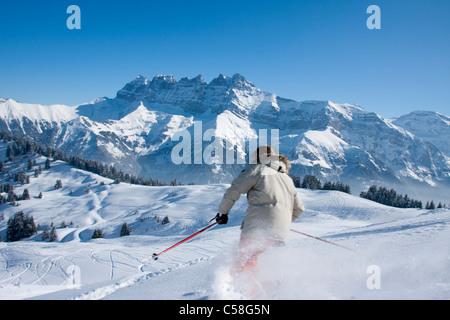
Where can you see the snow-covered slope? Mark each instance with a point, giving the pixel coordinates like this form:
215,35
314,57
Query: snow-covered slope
408,246
33,119
135,130
14,111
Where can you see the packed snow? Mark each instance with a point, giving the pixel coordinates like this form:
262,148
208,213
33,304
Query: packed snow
396,253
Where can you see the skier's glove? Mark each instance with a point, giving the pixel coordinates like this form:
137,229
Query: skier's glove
222,218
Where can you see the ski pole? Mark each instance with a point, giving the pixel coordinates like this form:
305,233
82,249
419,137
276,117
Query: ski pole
317,238
155,256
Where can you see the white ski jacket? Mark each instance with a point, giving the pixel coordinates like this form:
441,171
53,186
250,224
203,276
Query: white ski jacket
273,202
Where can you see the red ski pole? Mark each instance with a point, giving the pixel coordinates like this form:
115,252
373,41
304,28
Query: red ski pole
155,256
317,238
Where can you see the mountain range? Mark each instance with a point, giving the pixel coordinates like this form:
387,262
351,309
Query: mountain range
139,129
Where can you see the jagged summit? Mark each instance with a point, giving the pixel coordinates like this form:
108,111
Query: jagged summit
192,95
197,80
334,141
220,81
436,130
141,85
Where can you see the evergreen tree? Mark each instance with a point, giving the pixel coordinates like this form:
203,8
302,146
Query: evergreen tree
11,196
25,195
297,181
58,184
390,198
20,226
339,186
9,153
165,220
20,177
328,185
97,234
47,164
7,188
311,182
23,146
29,164
45,234
53,233
125,230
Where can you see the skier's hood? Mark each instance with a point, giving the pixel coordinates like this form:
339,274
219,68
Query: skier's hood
277,164
265,153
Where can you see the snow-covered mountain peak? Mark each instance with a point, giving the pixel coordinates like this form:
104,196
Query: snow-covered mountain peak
220,81
347,110
196,81
238,78
141,85
162,78
421,115
195,95
429,126
337,141
133,88
37,113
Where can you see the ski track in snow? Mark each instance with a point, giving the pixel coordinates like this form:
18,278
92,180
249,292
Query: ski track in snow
125,267
102,292
409,245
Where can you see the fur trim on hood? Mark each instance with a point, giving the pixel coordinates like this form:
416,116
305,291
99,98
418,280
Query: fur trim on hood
262,155
276,164
279,163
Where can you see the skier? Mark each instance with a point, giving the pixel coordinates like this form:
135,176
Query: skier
273,203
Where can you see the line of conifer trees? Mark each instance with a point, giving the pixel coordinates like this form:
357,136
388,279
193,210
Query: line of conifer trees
23,146
310,181
391,198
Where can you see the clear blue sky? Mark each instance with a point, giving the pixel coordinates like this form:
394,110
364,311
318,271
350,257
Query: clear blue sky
301,50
